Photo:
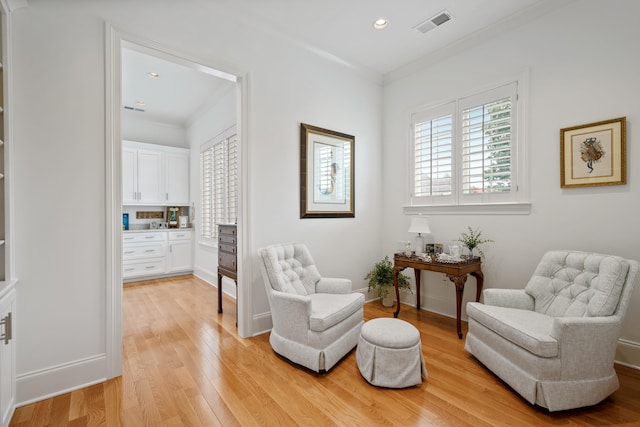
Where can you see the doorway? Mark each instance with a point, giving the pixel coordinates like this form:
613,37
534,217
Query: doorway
118,45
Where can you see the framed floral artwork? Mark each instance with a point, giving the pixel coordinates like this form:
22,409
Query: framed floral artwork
593,154
326,173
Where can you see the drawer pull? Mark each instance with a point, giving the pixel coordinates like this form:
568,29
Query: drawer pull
8,330
130,252
149,237
129,269
150,267
150,250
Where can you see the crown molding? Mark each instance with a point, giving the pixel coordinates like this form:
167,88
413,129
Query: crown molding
15,4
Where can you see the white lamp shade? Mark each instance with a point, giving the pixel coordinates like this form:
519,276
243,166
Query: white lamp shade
420,225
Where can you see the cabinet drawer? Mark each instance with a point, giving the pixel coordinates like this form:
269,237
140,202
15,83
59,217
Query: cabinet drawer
227,248
227,261
142,251
157,236
143,268
230,229
225,238
179,235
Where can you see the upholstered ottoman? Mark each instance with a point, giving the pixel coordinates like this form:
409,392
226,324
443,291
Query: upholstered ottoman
389,353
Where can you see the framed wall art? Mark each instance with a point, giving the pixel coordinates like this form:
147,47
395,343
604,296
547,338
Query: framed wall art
326,173
593,154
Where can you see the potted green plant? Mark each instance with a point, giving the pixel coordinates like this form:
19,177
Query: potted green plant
381,280
472,240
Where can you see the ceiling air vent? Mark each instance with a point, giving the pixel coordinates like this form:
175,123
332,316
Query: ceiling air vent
433,22
126,107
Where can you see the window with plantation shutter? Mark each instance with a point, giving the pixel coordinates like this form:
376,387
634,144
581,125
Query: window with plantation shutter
465,152
219,183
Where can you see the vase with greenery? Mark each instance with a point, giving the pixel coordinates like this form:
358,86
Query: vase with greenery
472,240
381,280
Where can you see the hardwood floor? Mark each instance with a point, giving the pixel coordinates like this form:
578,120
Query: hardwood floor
184,365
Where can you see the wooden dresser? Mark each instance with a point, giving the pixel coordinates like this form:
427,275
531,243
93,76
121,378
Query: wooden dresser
227,256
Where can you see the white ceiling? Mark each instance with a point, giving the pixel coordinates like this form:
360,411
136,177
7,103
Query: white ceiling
340,28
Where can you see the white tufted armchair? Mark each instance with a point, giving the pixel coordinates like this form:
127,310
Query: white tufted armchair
554,342
316,320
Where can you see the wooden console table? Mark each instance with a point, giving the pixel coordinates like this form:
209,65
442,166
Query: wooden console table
456,272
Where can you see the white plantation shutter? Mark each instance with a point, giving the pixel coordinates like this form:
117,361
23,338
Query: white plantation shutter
433,156
206,193
219,184
465,152
487,127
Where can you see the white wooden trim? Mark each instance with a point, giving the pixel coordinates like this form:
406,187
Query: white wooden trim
113,201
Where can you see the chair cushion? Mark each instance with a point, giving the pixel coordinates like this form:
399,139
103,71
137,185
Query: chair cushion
528,329
328,310
575,284
291,268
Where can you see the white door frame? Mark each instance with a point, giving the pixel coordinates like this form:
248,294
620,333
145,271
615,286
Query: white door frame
114,41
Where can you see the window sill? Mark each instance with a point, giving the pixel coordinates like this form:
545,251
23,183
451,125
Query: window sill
206,244
475,209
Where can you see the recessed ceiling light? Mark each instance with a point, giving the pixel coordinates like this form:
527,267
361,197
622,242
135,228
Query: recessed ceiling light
380,23
153,75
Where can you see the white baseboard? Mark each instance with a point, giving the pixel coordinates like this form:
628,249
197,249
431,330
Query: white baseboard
628,353
45,383
211,277
262,323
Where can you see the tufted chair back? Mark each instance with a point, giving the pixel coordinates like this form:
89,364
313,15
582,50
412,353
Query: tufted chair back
578,284
290,268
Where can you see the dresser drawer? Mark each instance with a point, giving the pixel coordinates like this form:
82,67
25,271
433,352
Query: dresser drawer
230,229
157,236
143,267
227,248
229,240
142,251
227,261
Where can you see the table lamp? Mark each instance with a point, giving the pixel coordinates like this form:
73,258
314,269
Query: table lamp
420,225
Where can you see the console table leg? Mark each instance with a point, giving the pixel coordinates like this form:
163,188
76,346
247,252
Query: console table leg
459,281
416,274
219,293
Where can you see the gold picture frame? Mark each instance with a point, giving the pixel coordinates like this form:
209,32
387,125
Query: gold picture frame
593,154
326,173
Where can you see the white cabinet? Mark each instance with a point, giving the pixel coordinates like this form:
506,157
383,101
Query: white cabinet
7,356
143,254
180,256
154,175
156,253
142,173
176,181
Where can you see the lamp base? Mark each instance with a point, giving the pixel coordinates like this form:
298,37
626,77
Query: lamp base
420,248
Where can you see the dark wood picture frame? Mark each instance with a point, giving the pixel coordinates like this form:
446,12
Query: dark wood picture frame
593,154
326,173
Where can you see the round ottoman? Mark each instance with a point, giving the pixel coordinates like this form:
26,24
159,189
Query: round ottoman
389,353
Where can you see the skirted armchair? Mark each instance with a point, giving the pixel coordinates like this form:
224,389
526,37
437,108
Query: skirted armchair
316,320
554,342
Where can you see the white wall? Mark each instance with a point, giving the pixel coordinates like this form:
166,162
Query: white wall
59,158
583,61
208,124
139,130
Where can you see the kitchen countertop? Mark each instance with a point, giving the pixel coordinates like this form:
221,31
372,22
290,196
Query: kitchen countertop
147,230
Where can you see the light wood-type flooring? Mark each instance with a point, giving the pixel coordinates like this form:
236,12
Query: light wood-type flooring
184,365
